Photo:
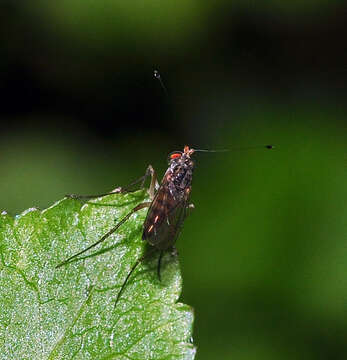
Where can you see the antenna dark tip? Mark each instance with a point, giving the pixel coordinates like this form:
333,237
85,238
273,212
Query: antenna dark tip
156,74
269,146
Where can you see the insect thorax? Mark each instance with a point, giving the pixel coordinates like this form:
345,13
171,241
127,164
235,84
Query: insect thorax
181,173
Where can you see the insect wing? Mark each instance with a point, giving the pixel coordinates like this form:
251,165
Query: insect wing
169,230
164,219
162,204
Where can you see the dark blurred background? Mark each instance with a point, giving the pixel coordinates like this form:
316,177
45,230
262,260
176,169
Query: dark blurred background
264,253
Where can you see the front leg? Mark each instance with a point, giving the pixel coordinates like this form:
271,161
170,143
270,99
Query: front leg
154,186
121,190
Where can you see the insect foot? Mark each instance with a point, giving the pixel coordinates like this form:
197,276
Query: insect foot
72,196
174,252
117,190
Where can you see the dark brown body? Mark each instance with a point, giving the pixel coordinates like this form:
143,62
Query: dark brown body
166,213
169,206
167,209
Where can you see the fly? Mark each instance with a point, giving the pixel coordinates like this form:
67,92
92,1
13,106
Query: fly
167,209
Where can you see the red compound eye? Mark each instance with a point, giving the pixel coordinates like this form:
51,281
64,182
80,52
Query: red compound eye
175,156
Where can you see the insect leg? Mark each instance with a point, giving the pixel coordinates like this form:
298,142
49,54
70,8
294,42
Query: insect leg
149,172
80,197
154,186
174,251
138,262
104,237
159,264
189,209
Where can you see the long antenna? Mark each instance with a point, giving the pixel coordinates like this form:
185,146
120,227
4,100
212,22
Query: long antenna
238,148
158,77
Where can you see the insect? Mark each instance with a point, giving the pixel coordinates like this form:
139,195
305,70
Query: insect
168,206
167,209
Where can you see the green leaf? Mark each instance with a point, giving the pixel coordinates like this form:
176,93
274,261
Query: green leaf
69,312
